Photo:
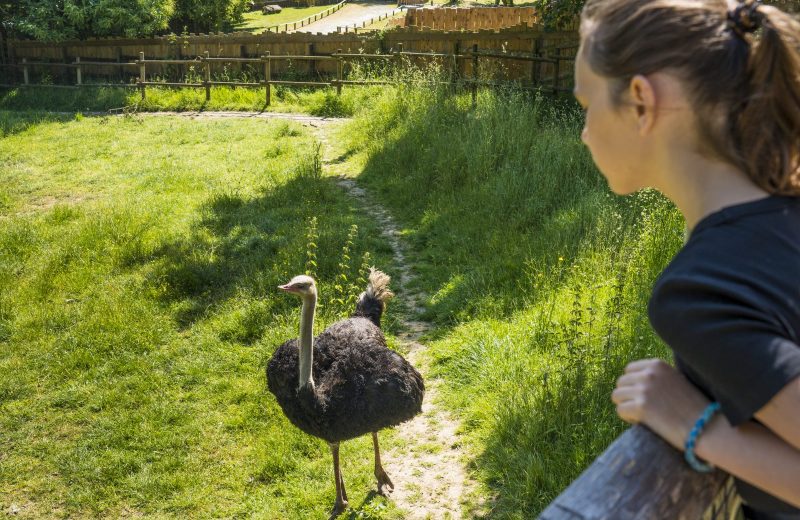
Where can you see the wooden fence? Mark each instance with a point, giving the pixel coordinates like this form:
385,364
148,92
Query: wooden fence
471,19
641,477
113,60
459,70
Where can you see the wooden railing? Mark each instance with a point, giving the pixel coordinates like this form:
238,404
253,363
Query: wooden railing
458,73
641,477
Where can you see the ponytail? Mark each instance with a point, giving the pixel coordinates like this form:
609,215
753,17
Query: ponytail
743,74
767,129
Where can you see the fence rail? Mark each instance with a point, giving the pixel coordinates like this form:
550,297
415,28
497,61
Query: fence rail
641,476
553,84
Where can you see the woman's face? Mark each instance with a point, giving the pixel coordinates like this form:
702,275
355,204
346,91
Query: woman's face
610,133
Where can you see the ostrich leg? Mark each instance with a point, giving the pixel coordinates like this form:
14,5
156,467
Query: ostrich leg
383,478
341,495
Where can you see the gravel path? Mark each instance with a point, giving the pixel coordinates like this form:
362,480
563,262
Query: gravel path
350,14
429,471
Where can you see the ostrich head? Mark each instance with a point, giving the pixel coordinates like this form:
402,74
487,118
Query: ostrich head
302,286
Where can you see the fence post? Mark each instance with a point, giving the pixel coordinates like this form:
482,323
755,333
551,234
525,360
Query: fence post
399,59
556,74
267,76
454,69
78,69
121,75
339,73
25,78
208,76
474,75
536,66
312,51
64,74
141,73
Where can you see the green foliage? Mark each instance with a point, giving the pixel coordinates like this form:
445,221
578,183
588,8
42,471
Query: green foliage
311,247
208,15
70,19
559,13
77,19
316,102
344,288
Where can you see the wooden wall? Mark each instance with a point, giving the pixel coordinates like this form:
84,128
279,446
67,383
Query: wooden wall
471,19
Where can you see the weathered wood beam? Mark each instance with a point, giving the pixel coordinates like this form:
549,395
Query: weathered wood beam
638,477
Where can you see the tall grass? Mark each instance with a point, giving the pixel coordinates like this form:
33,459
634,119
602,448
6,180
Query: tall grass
139,260
319,102
537,276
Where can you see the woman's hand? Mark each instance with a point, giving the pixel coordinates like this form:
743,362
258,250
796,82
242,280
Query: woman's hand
653,393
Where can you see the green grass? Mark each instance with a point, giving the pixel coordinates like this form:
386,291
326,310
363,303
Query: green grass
137,259
256,22
537,276
138,265
320,102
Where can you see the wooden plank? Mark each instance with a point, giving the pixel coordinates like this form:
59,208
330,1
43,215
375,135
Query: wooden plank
638,476
170,84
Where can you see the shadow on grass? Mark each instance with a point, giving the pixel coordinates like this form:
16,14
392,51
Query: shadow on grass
17,122
63,100
484,201
244,245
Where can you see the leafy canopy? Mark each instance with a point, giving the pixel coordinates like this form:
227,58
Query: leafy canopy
59,20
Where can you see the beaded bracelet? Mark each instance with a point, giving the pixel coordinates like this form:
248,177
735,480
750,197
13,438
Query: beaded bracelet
691,441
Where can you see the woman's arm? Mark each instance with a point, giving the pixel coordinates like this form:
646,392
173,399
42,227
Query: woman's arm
653,393
782,414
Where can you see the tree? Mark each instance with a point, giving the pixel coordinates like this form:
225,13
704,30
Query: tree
559,13
207,15
58,20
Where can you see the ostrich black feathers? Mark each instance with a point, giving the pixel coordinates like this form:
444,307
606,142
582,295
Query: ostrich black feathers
372,302
360,385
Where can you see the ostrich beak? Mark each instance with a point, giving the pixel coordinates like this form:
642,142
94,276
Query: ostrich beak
285,288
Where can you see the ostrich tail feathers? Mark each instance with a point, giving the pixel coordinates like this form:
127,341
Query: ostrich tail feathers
372,302
378,286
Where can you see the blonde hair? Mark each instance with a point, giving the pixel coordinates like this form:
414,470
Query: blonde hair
744,87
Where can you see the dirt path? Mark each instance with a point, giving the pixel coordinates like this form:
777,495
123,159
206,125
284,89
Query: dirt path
350,14
431,481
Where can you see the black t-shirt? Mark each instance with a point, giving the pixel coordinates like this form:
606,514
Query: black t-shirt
728,305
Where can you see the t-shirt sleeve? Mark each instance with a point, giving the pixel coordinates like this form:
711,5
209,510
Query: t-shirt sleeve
741,352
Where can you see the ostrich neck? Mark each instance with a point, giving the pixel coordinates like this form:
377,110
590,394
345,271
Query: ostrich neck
307,341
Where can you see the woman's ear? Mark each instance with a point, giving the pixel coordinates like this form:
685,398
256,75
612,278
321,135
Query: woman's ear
642,95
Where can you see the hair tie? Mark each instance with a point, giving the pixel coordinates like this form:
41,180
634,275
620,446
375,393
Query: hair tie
745,18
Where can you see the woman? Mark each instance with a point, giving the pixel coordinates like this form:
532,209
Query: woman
700,99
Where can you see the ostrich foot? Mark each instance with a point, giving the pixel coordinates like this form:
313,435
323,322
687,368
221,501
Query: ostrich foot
338,508
383,480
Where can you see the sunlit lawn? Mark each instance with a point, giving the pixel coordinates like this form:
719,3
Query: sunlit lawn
138,261
256,21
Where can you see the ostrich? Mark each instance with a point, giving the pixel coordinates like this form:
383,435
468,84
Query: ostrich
345,382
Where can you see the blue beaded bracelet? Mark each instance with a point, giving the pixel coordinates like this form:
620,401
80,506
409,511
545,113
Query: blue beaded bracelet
691,441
